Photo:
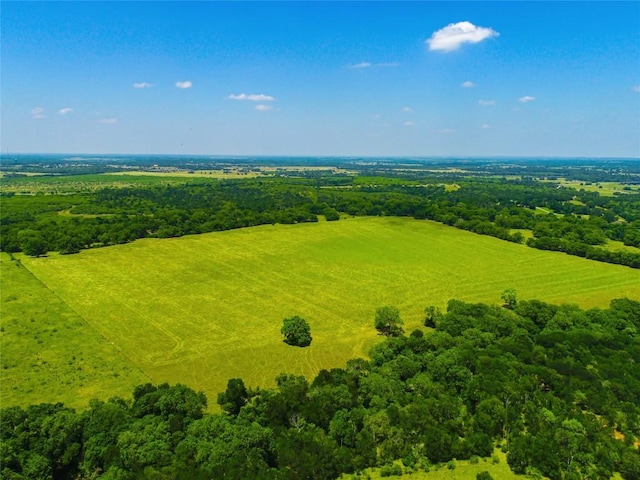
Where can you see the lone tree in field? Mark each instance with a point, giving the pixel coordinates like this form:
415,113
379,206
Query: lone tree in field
388,321
296,331
509,298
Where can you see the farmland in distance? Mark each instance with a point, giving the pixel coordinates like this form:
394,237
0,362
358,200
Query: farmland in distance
202,309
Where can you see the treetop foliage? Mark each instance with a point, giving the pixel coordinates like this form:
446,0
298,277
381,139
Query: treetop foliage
296,331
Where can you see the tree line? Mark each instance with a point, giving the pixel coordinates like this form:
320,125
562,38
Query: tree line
555,387
575,222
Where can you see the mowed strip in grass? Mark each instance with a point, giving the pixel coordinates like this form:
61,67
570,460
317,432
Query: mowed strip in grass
49,353
205,308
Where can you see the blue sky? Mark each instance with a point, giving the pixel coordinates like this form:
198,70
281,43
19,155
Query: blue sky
322,78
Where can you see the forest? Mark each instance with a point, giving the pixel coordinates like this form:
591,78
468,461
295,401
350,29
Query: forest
555,387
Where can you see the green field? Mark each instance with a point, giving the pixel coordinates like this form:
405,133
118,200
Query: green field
201,309
464,470
49,353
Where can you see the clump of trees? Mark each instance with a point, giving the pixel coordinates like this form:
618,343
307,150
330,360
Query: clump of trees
296,331
557,387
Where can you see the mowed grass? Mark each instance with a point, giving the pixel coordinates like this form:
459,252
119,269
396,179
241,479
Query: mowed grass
205,308
48,352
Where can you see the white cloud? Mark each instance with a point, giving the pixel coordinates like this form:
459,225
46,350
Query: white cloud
374,65
149,85
447,130
467,84
526,99
64,111
108,121
486,126
407,109
486,103
408,124
185,84
264,108
452,36
636,88
252,97
38,113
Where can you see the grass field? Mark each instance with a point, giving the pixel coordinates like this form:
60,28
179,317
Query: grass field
605,189
205,308
49,353
464,470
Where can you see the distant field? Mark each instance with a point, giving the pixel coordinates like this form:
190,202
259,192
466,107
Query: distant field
49,353
201,309
68,184
606,189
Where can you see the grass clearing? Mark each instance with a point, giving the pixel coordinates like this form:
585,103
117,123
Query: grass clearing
49,353
605,189
497,466
205,308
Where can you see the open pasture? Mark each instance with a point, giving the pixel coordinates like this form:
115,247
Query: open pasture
49,353
205,308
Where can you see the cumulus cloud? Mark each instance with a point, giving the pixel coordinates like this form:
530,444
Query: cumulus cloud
108,121
636,88
374,65
252,97
149,85
526,99
185,84
486,103
486,126
447,130
37,113
452,36
264,108
64,111
407,109
467,84
408,124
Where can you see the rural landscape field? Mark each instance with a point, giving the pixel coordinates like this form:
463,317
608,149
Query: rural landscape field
201,309
320,240
175,286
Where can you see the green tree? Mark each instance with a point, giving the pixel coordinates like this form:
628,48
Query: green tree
432,315
296,331
509,298
388,321
32,243
235,397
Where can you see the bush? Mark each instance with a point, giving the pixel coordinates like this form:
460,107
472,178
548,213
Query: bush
391,471
484,476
